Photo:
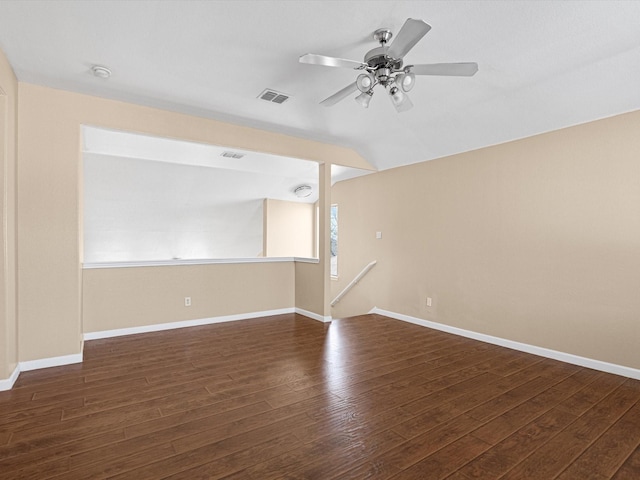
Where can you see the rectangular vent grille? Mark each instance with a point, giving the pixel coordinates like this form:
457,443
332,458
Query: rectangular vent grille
273,96
232,155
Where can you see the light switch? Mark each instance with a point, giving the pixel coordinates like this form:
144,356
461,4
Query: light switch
378,235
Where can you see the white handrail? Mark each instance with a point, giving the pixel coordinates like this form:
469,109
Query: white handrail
353,283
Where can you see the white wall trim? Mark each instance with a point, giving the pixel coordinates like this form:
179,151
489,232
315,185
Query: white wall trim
7,383
183,324
306,260
314,316
523,347
50,362
202,261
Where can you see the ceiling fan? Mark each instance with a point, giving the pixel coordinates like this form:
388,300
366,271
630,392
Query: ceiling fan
383,66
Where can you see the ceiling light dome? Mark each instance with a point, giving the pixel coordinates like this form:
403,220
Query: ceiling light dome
303,191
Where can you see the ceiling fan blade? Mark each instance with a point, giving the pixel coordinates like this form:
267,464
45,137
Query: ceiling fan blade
314,59
448,69
339,95
410,33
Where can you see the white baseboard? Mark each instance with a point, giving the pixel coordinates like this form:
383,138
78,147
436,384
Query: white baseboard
50,362
7,383
183,324
198,322
523,347
314,316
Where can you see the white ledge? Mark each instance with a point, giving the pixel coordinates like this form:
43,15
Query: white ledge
202,261
306,260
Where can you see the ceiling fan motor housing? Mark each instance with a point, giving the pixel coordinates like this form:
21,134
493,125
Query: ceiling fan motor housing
381,64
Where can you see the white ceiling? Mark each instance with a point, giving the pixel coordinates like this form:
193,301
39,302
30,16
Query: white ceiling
543,65
255,176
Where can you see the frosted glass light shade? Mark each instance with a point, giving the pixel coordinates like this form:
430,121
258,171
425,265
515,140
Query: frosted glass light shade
400,100
364,98
406,81
364,82
396,95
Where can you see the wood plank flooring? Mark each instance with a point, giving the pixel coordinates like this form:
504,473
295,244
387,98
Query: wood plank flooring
288,397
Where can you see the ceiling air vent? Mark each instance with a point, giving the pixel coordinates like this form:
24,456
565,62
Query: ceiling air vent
232,155
273,96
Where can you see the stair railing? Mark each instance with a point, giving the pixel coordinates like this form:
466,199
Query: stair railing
353,282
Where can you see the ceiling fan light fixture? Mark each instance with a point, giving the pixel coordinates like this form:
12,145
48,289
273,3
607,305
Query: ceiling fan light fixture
400,100
384,66
364,98
406,81
397,97
364,82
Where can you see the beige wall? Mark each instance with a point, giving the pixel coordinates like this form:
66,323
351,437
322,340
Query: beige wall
288,229
8,317
536,241
312,280
127,297
49,193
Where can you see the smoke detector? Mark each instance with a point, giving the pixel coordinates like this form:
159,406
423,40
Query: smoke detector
100,71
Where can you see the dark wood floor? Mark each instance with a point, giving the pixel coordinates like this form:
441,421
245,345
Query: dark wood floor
289,397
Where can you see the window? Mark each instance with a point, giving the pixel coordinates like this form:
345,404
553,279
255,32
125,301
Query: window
334,240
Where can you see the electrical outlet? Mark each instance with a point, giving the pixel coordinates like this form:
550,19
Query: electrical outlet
429,301
187,301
